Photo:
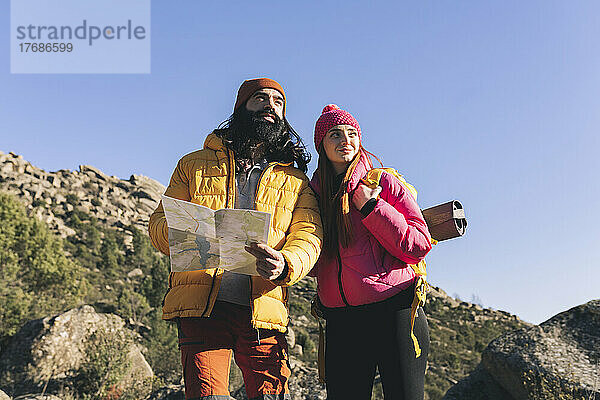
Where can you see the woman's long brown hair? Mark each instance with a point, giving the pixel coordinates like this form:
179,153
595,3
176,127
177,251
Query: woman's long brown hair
334,202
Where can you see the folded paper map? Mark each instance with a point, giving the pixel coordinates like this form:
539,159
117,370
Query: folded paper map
202,238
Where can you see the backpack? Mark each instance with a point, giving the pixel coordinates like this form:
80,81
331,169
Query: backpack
372,180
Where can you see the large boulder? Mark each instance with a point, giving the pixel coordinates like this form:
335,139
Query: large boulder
559,359
69,350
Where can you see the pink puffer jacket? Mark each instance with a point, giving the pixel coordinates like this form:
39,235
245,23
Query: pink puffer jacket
374,266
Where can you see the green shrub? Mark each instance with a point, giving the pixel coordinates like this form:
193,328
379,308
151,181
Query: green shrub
106,365
72,199
163,352
110,255
299,306
36,277
132,305
308,344
155,265
15,309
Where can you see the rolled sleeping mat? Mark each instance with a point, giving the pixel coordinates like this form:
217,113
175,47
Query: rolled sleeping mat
446,221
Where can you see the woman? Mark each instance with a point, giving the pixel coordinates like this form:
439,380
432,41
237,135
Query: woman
366,284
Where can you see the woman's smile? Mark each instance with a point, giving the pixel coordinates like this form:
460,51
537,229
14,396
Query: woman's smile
341,145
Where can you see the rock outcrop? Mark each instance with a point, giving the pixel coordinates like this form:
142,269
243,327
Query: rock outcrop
49,354
559,359
48,195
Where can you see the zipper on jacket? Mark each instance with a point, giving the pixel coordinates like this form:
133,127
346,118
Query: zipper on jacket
230,172
269,166
339,259
251,301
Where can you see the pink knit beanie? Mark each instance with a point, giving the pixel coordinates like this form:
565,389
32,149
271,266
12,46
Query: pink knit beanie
331,116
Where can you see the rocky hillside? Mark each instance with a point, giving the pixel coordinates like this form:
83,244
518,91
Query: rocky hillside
102,221
114,202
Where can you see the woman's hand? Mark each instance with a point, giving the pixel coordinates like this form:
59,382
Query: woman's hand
363,193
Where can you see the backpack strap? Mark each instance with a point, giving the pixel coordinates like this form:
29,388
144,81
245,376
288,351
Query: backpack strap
372,180
374,176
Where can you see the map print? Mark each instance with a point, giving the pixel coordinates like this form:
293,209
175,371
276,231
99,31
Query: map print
201,238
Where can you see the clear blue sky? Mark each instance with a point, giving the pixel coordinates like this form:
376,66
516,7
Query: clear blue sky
492,103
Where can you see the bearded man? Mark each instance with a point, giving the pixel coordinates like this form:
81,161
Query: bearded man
248,162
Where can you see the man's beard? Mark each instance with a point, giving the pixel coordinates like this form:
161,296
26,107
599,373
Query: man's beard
253,137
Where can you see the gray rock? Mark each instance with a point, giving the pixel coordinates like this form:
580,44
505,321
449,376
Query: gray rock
479,385
150,184
93,172
54,180
6,168
51,351
559,359
135,273
302,320
290,336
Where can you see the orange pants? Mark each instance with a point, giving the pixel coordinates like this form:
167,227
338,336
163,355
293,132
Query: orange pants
206,345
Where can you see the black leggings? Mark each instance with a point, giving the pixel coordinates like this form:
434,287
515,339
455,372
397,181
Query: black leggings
358,341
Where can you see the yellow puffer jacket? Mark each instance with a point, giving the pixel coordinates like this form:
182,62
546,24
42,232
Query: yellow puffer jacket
206,177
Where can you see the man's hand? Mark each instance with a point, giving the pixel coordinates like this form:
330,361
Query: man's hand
270,263
363,193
